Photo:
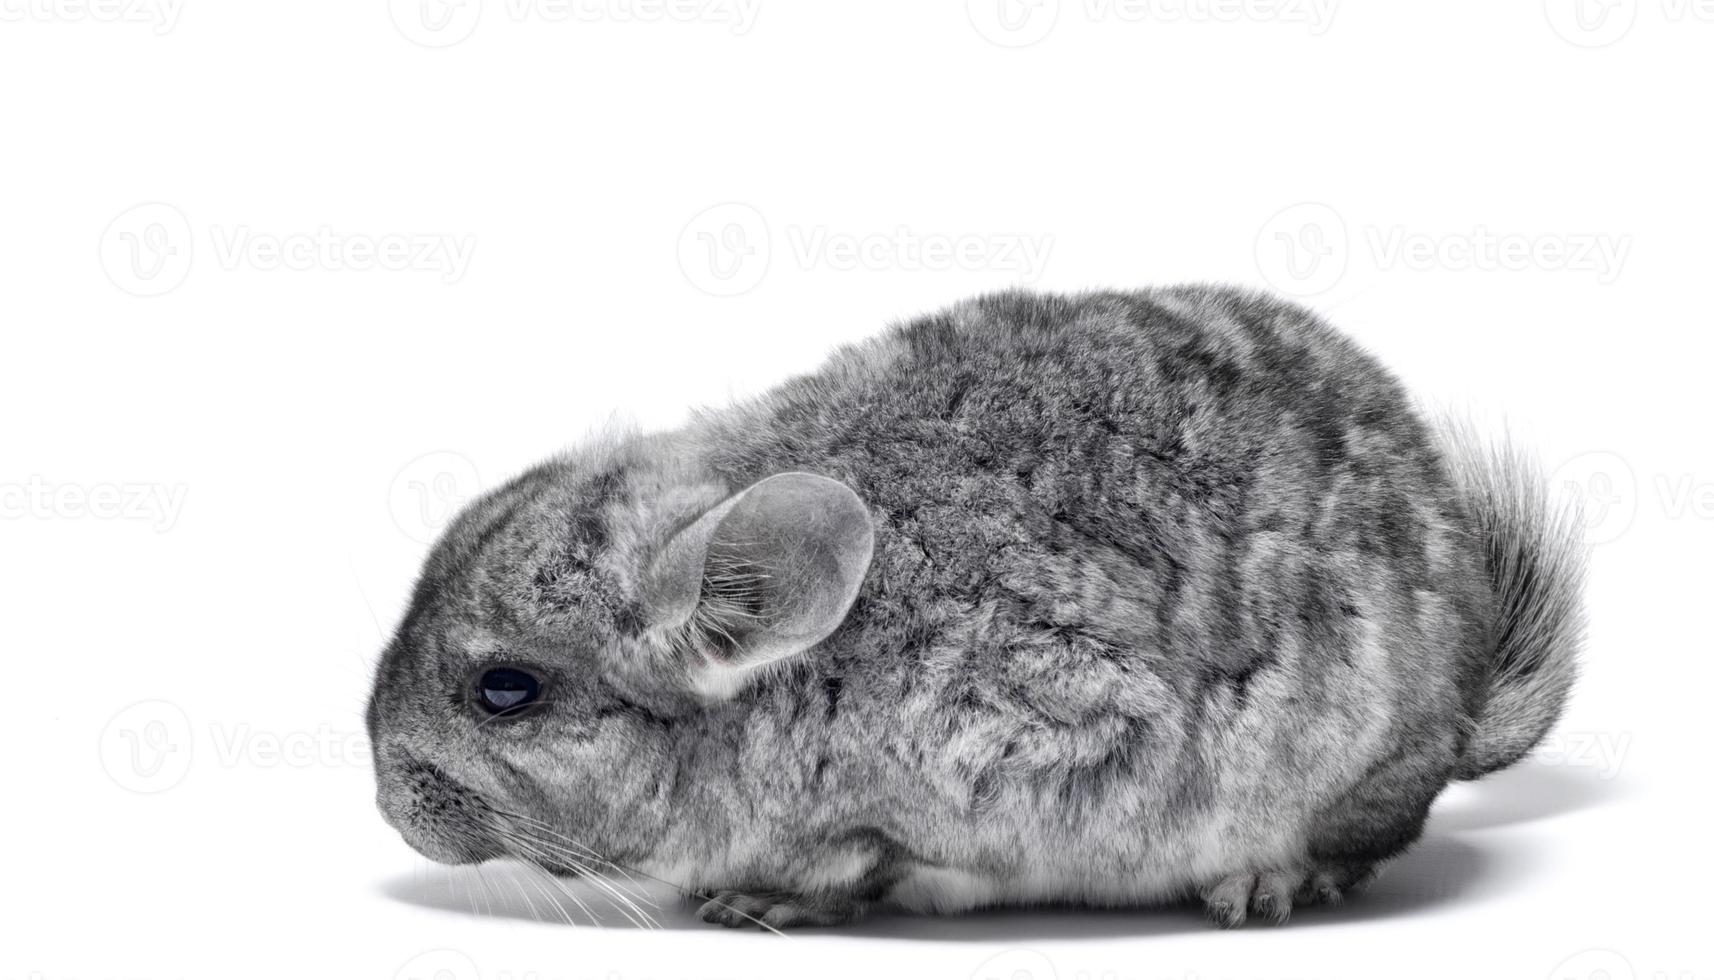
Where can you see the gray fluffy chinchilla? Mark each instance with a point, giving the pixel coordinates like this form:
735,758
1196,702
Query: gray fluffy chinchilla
1113,598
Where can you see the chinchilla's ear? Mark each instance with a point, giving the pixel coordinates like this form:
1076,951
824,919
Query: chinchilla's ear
764,575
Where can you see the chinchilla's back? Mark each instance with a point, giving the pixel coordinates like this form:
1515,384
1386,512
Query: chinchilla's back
1146,553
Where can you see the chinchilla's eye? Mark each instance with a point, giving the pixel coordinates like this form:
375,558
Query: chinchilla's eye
502,690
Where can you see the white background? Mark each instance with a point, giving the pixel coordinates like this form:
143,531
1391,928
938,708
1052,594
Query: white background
282,283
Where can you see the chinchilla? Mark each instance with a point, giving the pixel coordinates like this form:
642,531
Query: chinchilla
1111,598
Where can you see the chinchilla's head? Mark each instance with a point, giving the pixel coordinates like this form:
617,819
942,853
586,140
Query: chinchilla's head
568,628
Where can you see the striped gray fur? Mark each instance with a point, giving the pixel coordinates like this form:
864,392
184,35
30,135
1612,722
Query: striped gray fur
1142,595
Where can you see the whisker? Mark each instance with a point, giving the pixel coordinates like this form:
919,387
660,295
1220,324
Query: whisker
523,837
496,906
589,854
532,866
531,905
594,919
642,919
486,909
530,848
682,889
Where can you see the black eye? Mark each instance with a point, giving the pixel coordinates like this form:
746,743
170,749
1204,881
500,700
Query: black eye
506,689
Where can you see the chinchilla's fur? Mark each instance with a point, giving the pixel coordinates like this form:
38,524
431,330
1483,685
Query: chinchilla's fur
1106,598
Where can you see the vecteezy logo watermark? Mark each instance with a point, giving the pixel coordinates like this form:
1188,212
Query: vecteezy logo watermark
1303,249
1306,249
148,747
1607,964
727,250
1594,964
1598,23
443,23
147,250
1019,23
157,504
1013,23
1591,23
1016,964
439,964
436,23
429,491
160,15
1601,488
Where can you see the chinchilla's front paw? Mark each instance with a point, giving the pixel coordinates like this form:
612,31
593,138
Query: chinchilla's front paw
777,910
1269,895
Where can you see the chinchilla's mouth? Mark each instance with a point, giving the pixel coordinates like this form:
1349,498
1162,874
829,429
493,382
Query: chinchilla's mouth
440,818
551,866
438,844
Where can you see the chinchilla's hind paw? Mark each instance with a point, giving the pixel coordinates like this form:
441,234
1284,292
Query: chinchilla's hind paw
776,910
1329,886
1270,895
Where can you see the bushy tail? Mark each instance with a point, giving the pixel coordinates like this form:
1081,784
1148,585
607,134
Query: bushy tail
1535,560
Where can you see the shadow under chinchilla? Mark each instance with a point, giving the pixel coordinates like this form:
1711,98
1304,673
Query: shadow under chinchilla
1439,869
1524,793
1449,864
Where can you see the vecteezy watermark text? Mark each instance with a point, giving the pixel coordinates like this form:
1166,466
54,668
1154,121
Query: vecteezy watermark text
443,23
148,747
157,504
161,16
447,256
1307,248
1017,23
1604,753
728,249
1487,251
148,250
